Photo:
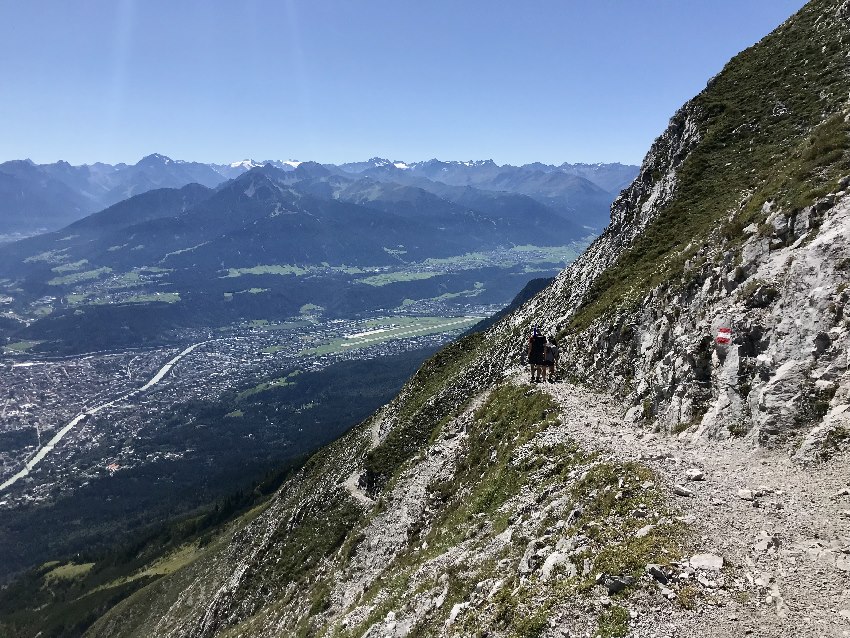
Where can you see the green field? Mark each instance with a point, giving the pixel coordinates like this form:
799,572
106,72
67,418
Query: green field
393,277
281,382
68,571
386,329
70,267
163,297
284,269
77,277
21,346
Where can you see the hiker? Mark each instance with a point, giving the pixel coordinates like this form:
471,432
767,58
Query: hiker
536,351
551,356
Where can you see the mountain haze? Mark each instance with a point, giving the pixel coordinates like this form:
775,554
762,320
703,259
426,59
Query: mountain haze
300,236
39,197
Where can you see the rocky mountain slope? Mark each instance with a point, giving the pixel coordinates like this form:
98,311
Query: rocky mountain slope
39,197
738,220
673,485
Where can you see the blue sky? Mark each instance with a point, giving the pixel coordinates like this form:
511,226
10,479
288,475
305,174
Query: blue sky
335,81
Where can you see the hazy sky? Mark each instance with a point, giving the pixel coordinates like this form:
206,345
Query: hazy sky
334,81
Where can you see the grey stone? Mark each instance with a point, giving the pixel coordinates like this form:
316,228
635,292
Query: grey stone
669,594
711,562
766,543
746,495
614,584
643,531
554,560
657,572
681,490
574,515
694,474
530,560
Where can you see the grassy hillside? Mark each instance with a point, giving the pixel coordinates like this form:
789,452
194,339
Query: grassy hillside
772,127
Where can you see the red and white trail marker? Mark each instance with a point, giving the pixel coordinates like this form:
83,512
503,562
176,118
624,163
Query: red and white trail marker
724,336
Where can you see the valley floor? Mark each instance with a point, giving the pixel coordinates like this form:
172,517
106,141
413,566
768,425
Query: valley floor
782,529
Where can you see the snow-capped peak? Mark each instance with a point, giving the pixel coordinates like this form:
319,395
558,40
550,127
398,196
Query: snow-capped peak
247,164
292,163
478,163
401,165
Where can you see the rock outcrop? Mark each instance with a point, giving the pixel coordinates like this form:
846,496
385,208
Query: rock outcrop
762,252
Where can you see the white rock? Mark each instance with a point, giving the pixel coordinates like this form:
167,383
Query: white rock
496,587
455,612
643,531
694,474
553,560
711,562
681,490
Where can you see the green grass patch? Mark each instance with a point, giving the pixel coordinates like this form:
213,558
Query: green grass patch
617,500
75,278
385,279
486,476
48,256
283,269
769,127
280,382
69,571
613,623
21,346
177,252
70,267
75,299
419,410
126,280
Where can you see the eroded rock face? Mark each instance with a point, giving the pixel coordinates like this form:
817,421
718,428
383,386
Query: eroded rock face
780,284
635,207
782,292
786,368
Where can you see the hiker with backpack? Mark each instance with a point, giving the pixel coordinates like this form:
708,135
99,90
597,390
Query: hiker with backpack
551,355
536,354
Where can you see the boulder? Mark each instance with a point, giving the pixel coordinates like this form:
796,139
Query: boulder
710,562
694,474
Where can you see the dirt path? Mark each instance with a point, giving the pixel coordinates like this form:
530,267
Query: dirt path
787,542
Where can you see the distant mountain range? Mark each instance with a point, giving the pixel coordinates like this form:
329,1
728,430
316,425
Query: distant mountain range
43,197
291,236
